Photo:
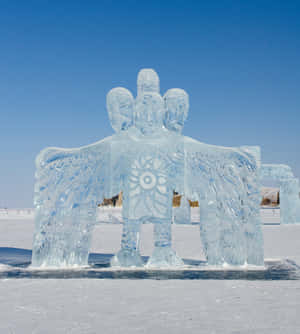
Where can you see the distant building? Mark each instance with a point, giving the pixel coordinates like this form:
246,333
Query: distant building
270,196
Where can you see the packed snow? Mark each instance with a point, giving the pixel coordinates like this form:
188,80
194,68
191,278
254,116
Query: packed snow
150,306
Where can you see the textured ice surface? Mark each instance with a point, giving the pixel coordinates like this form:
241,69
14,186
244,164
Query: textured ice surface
148,159
289,191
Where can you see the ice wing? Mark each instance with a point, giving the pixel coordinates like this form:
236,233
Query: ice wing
69,184
227,175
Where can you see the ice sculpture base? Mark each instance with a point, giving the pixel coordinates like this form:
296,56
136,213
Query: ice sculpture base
164,257
15,263
126,258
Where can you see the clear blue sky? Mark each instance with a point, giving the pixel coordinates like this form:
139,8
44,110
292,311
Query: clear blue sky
238,60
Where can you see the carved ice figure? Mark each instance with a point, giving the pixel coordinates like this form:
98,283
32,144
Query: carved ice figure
147,159
154,158
289,191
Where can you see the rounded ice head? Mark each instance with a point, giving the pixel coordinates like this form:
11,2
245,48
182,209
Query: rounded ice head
147,81
149,112
120,103
176,103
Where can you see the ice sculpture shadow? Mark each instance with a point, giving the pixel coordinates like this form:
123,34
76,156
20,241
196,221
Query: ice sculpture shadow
148,159
15,256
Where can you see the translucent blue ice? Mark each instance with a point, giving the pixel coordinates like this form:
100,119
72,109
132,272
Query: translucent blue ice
289,191
148,160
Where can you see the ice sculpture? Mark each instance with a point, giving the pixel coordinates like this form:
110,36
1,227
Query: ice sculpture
148,159
289,191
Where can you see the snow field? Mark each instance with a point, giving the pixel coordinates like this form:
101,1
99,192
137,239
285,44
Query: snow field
148,306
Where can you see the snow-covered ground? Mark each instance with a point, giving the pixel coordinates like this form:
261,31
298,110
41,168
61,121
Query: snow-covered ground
114,215
150,306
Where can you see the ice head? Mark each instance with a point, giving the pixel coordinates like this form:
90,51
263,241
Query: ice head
147,81
119,103
149,112
176,102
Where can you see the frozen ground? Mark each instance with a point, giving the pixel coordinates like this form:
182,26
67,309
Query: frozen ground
114,215
149,306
